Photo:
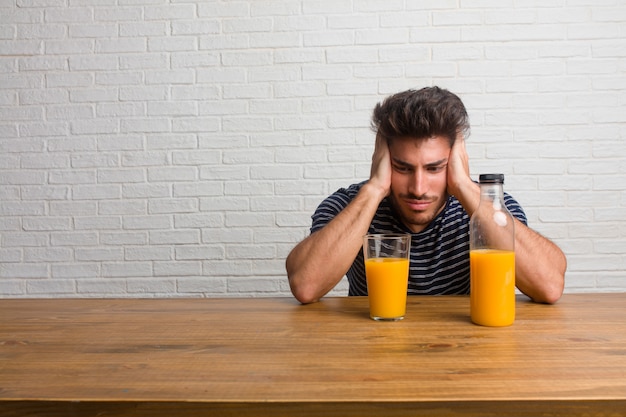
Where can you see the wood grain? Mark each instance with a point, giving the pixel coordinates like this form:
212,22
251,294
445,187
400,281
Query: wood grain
273,356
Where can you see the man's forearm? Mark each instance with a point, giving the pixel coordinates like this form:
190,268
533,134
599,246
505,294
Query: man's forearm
319,262
539,265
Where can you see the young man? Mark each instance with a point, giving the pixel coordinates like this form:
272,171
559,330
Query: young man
419,183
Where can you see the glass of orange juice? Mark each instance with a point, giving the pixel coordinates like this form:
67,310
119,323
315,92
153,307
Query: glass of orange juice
387,273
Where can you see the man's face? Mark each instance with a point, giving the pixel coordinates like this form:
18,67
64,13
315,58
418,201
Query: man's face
419,179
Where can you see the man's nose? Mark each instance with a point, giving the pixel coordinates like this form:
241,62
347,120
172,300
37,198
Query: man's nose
418,185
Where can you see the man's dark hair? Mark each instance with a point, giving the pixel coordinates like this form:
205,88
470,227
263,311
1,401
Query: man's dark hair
424,113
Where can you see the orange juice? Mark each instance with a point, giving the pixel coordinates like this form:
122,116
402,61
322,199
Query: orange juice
387,280
492,281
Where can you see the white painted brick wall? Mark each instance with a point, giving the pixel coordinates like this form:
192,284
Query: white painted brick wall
178,148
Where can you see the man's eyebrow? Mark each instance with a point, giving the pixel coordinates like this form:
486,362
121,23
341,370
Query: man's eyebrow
401,162
438,163
428,165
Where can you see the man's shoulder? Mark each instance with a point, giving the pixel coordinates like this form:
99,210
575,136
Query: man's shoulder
351,190
333,204
345,195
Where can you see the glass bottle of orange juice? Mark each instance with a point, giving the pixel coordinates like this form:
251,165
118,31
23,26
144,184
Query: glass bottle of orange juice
492,257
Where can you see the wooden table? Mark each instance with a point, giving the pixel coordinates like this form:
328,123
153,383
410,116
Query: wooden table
275,357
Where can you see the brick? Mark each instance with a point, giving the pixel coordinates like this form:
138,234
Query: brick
10,255
103,126
227,235
143,190
93,63
180,205
99,254
247,124
175,237
329,38
275,40
167,141
201,285
49,129
223,42
274,9
148,253
151,286
224,204
23,270
199,252
300,22
101,287
254,285
92,95
327,7
45,161
235,219
69,46
51,286
198,220
299,55
214,75
248,188
205,92
97,223
68,271
593,31
120,45
273,204
73,208
198,189
143,93
46,223
24,239
144,125
273,106
67,80
118,78
42,64
117,13
119,109
177,269
168,44
172,174
122,207
34,255
127,269
247,58
184,76
21,113
171,11
120,143
195,27
257,24
142,29
126,176
74,238
38,31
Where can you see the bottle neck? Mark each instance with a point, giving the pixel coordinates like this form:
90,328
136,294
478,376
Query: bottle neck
491,193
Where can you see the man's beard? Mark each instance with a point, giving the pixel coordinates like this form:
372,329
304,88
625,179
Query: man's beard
417,220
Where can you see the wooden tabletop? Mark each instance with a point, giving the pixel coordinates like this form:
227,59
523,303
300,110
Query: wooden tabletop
273,356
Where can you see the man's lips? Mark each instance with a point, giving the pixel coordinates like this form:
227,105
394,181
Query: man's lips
417,205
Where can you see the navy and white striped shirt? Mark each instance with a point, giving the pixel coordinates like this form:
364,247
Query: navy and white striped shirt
439,253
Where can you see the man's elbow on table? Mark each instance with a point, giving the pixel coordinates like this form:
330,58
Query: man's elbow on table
300,286
553,285
303,292
551,295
